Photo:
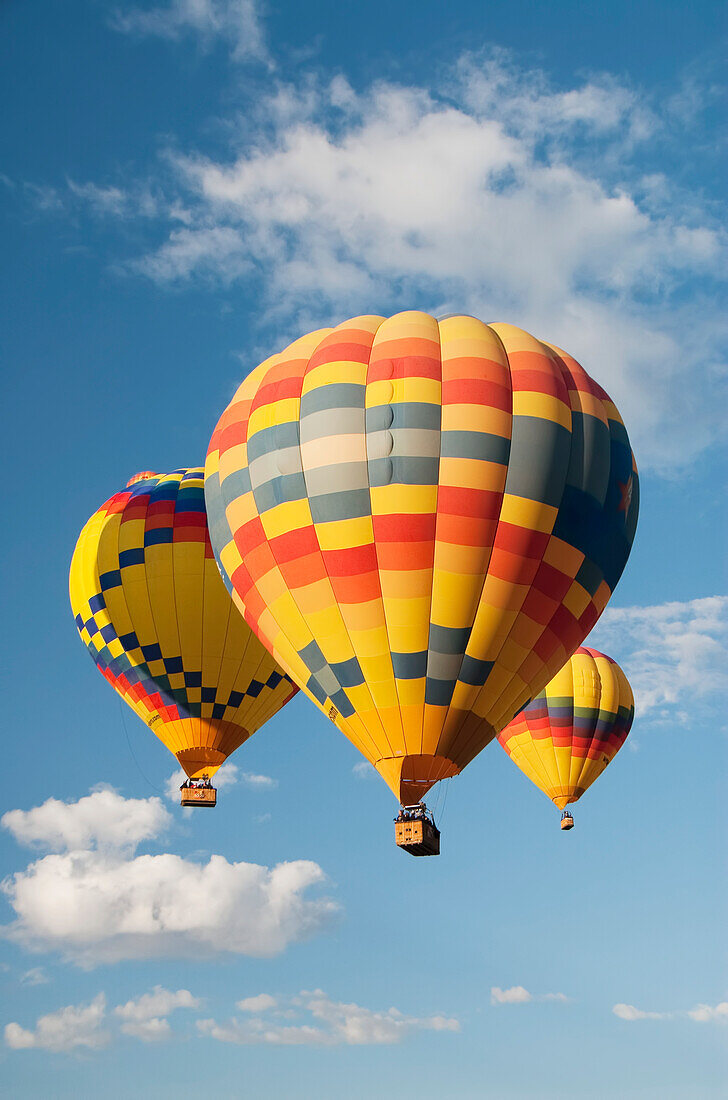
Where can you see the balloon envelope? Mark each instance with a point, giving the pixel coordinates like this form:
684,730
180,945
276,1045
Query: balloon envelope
565,737
421,521
153,612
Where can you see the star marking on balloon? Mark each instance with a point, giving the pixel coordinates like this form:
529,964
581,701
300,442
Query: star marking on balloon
625,493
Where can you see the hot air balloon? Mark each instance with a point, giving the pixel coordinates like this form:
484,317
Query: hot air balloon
421,520
565,737
144,475
153,612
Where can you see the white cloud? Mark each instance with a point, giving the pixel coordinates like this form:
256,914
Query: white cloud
518,995
160,1002
104,905
629,1012
363,770
262,1003
64,1030
674,654
258,782
325,1023
494,194
228,776
96,907
237,21
104,819
145,1018
154,1030
35,976
703,1014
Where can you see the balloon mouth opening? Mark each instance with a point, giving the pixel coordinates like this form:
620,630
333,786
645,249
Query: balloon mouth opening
410,777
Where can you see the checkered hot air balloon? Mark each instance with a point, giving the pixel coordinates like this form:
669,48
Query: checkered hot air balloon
567,735
153,612
421,520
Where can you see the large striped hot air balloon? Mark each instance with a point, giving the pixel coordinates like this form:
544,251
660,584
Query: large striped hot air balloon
421,520
153,612
565,737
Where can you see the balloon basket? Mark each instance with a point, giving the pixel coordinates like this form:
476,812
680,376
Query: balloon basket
198,796
567,821
417,833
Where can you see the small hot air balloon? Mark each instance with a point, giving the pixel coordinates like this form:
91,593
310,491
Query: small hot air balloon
144,475
153,612
565,737
421,520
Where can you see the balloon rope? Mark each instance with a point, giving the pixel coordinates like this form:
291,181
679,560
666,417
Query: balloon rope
444,801
131,750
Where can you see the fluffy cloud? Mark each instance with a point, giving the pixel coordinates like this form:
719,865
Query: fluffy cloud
629,1012
703,1014
145,1018
106,905
69,1028
237,21
95,908
229,775
262,1003
493,193
674,654
325,1023
103,819
518,995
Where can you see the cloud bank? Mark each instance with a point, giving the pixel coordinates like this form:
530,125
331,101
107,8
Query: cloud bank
321,1022
675,655
105,904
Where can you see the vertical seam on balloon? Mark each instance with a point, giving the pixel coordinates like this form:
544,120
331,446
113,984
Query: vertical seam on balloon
586,761
550,357
273,705
196,719
453,737
379,572
172,723
315,532
432,569
563,367
288,589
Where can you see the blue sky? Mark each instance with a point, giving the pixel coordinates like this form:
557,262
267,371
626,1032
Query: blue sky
185,187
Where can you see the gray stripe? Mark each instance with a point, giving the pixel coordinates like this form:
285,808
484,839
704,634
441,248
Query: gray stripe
539,460
480,445
449,639
348,673
335,506
335,421
438,693
312,657
279,491
590,456
334,395
272,439
235,485
409,666
379,418
404,471
339,477
416,442
328,681
473,671
444,666
406,414
343,704
276,464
